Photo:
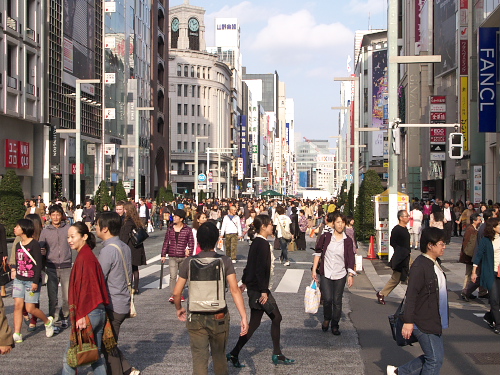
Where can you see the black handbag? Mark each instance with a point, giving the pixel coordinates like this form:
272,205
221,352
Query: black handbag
138,236
5,273
396,323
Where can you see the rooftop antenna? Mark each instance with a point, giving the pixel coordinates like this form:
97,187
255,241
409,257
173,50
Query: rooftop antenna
369,27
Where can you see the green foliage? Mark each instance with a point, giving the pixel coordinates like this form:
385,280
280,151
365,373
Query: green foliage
342,200
169,197
120,193
364,213
102,196
11,201
162,195
349,206
201,196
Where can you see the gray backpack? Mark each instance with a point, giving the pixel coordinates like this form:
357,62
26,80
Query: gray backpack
207,284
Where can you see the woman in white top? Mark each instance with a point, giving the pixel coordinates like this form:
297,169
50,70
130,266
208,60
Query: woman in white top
416,218
78,214
283,230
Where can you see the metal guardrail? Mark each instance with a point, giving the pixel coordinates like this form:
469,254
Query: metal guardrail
12,82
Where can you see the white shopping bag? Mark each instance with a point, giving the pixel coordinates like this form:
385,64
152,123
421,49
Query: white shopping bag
150,228
312,298
359,262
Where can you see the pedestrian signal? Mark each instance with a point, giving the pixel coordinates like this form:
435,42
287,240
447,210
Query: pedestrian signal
456,145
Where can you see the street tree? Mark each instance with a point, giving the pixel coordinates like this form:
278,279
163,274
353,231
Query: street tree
120,193
11,201
364,212
102,196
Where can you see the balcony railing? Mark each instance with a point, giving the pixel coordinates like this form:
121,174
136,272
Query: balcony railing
30,33
11,82
30,89
12,23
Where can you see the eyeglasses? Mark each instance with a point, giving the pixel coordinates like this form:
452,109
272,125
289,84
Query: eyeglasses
440,243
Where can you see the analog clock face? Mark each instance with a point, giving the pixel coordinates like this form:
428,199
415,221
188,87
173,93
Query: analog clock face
175,25
193,24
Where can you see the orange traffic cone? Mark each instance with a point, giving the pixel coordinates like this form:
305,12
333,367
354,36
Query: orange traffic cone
371,249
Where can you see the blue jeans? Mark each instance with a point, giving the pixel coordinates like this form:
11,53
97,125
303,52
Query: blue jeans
98,320
284,249
431,361
332,292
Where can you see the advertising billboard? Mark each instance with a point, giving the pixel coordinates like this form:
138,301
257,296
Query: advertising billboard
445,28
487,79
379,89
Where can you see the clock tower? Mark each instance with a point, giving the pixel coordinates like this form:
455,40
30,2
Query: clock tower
187,27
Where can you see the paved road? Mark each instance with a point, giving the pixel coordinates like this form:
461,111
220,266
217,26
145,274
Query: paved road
157,343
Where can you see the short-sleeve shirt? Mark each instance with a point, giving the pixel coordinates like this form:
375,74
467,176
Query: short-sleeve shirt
228,264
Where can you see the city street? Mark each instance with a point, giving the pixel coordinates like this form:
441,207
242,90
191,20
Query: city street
157,343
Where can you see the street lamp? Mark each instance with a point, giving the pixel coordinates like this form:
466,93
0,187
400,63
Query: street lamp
78,134
223,150
196,167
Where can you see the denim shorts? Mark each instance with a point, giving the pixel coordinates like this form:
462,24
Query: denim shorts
22,289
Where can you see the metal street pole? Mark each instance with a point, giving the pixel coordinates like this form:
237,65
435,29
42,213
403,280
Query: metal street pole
196,171
136,156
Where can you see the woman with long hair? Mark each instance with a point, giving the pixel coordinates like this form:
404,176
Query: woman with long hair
132,221
334,255
488,257
199,218
87,295
437,220
256,277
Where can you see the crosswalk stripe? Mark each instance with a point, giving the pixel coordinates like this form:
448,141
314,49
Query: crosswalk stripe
290,282
156,284
149,270
153,259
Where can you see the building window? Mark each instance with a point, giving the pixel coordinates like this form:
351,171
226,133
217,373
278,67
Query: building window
197,129
179,70
185,91
192,110
179,90
193,93
192,146
198,72
208,73
192,72
179,109
185,146
199,109
185,109
179,128
179,146
186,69
205,111
185,128
199,89
192,128
208,133
204,129
203,72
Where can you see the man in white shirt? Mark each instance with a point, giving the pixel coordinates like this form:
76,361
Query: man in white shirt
449,217
231,228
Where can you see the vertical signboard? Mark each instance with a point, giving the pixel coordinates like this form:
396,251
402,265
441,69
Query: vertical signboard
23,156
464,110
464,71
487,79
478,183
240,169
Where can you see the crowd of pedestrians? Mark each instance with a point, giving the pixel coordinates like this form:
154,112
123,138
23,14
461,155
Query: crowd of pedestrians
42,255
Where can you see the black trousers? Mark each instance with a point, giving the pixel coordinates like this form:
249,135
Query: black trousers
116,363
332,292
448,228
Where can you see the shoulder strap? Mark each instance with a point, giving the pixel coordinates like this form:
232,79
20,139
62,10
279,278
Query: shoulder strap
27,253
124,265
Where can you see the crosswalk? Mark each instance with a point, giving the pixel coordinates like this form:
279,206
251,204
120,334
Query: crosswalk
287,282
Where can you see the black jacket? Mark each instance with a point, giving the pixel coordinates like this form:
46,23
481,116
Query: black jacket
3,242
422,297
257,273
400,241
138,253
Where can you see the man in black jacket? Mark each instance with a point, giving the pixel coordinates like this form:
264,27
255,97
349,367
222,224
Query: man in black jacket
400,261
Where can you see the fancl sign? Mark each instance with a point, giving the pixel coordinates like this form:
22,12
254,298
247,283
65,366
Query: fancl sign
487,79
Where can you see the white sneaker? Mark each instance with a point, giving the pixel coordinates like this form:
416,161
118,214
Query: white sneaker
287,263
391,370
134,371
18,338
49,328
233,261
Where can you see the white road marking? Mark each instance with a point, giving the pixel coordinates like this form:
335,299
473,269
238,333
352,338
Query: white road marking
290,282
149,270
156,284
153,259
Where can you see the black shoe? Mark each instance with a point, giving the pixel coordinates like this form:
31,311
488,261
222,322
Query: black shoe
234,360
464,297
380,298
489,322
472,296
335,330
487,295
325,325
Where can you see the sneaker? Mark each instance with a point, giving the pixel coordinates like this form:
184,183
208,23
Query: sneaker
18,338
31,327
489,322
392,370
171,299
234,261
183,299
49,327
134,371
287,263
64,323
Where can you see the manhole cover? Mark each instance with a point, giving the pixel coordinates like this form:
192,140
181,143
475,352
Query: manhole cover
485,358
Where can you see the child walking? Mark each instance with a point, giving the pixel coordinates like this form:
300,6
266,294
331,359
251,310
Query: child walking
27,279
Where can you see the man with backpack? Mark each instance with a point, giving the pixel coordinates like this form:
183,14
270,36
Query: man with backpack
207,318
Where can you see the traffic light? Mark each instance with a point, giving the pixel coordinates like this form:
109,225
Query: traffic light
396,141
456,145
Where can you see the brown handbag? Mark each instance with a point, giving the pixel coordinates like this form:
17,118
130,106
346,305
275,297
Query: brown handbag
83,352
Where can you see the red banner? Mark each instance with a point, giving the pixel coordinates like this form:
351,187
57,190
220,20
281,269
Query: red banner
73,168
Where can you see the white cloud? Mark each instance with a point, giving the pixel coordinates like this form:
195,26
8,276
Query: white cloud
363,8
292,37
246,12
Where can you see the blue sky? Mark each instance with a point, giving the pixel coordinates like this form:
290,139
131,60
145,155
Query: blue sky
307,42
